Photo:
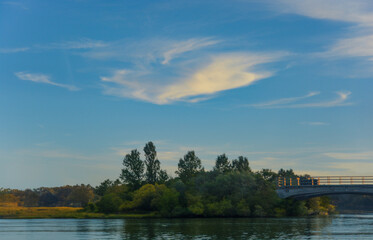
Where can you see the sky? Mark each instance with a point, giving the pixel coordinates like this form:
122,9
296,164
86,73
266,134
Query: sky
286,83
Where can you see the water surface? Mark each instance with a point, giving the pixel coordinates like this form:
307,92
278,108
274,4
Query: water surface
338,227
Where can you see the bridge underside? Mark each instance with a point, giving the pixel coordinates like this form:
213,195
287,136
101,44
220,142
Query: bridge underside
306,192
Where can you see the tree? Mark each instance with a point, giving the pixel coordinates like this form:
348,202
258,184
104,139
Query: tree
162,177
268,175
133,171
103,187
242,164
81,195
222,164
188,166
152,163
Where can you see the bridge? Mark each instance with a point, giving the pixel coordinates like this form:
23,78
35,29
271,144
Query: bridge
302,188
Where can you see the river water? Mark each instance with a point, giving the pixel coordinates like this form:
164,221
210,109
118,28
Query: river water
337,227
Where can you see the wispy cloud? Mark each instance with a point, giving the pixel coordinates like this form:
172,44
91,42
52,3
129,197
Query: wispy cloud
187,46
283,101
350,155
358,40
83,43
222,72
156,50
358,11
80,44
42,78
353,47
13,50
298,102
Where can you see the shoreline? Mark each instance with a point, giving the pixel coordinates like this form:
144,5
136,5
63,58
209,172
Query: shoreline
77,213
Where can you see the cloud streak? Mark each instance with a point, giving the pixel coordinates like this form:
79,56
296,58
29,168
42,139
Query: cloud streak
187,46
298,102
358,42
222,72
83,43
350,156
13,50
41,78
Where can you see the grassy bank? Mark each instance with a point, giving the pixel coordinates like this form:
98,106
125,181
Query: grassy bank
59,212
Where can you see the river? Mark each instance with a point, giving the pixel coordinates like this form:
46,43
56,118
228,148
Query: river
337,227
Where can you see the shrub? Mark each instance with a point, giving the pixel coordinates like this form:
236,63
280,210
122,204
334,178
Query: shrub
109,203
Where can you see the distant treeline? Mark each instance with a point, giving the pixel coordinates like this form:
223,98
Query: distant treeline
230,189
72,196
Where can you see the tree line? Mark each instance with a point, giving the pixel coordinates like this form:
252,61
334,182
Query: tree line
230,189
71,196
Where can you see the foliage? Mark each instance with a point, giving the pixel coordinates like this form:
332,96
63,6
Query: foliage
188,166
152,164
241,164
109,203
103,187
162,177
133,171
222,164
81,195
229,190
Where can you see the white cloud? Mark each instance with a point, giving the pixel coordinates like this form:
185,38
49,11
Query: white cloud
357,11
41,78
186,46
297,102
83,43
223,72
350,156
283,101
358,40
353,47
13,50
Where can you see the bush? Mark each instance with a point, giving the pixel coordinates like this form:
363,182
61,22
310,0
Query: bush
243,209
259,211
109,203
166,200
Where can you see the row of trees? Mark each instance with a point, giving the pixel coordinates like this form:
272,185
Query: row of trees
230,189
74,196
136,172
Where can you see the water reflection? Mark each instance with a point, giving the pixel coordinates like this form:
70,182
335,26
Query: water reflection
339,227
223,228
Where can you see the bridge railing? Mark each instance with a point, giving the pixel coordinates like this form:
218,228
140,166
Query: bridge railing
324,180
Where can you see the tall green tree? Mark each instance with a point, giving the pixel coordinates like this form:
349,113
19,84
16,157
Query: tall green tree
222,164
241,164
133,171
152,164
188,166
162,177
103,187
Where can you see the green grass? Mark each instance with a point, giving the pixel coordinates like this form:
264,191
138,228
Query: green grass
60,212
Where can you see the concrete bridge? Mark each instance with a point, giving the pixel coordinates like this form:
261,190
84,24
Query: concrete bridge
308,187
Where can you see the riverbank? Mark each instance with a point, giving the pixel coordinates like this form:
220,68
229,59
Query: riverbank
60,212
66,213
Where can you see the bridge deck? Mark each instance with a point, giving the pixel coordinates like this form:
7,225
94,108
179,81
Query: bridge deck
308,187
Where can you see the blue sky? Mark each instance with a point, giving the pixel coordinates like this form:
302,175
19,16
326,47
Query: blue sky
285,83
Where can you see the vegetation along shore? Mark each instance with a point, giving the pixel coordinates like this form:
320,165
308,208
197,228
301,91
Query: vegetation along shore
143,189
